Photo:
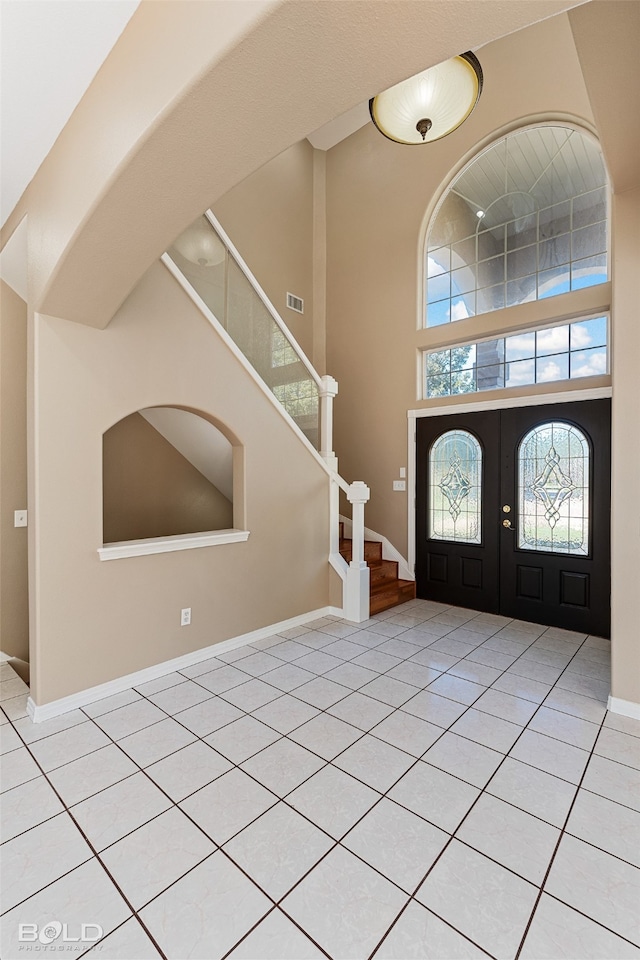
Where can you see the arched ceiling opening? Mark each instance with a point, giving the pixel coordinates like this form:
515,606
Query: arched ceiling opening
167,127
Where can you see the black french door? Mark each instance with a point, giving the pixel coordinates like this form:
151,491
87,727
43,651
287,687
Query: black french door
513,513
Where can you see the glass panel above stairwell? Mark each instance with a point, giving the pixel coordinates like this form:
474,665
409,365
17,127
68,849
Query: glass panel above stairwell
202,258
221,280
251,326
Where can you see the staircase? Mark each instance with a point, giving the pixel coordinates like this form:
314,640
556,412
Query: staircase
385,589
211,271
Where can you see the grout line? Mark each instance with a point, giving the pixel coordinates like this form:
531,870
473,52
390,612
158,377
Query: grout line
283,799
274,909
482,792
142,696
602,926
348,693
96,856
553,856
384,795
411,901
618,803
596,847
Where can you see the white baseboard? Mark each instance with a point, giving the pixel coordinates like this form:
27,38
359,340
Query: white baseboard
389,552
333,612
626,708
4,657
55,708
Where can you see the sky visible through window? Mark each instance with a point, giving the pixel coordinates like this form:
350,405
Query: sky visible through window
457,306
565,352
526,220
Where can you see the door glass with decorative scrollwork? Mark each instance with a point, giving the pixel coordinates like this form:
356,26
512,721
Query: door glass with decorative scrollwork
455,483
553,490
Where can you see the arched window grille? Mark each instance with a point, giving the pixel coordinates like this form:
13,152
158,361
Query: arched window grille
525,220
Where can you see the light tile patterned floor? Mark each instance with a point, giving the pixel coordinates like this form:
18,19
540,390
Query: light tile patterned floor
433,784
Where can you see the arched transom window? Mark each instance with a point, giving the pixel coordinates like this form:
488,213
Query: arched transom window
525,220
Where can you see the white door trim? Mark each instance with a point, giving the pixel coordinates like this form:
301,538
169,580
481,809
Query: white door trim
503,403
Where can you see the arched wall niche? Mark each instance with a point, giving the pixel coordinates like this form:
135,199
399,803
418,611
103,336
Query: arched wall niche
168,471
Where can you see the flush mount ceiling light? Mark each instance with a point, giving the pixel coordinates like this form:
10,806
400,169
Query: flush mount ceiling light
431,104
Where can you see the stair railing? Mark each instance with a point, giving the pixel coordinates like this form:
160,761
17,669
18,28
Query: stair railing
210,269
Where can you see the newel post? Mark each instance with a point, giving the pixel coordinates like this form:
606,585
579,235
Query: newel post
328,391
357,585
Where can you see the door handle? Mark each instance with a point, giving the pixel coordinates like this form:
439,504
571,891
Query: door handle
507,525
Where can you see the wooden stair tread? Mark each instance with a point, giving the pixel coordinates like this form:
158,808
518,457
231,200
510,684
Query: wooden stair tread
392,596
385,588
396,585
372,549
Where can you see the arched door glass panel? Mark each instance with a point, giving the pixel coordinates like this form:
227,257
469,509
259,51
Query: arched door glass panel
455,483
553,490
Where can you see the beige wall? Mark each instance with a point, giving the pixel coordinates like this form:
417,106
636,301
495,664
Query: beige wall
378,194
625,502
99,620
269,218
150,490
14,603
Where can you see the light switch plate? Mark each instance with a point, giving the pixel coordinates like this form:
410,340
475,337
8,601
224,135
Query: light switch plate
400,485
19,518
403,472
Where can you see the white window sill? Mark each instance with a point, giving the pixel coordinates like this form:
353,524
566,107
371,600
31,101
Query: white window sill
189,541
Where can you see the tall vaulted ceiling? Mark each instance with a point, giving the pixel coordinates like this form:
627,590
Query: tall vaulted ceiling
195,96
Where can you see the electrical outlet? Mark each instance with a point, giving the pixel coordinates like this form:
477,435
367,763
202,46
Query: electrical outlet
400,485
19,518
185,617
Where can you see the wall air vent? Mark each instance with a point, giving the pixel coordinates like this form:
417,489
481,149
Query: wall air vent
295,303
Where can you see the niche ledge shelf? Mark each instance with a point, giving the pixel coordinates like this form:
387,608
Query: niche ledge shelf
189,541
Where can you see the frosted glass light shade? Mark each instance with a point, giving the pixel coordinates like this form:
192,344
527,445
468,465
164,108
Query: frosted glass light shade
200,244
431,104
